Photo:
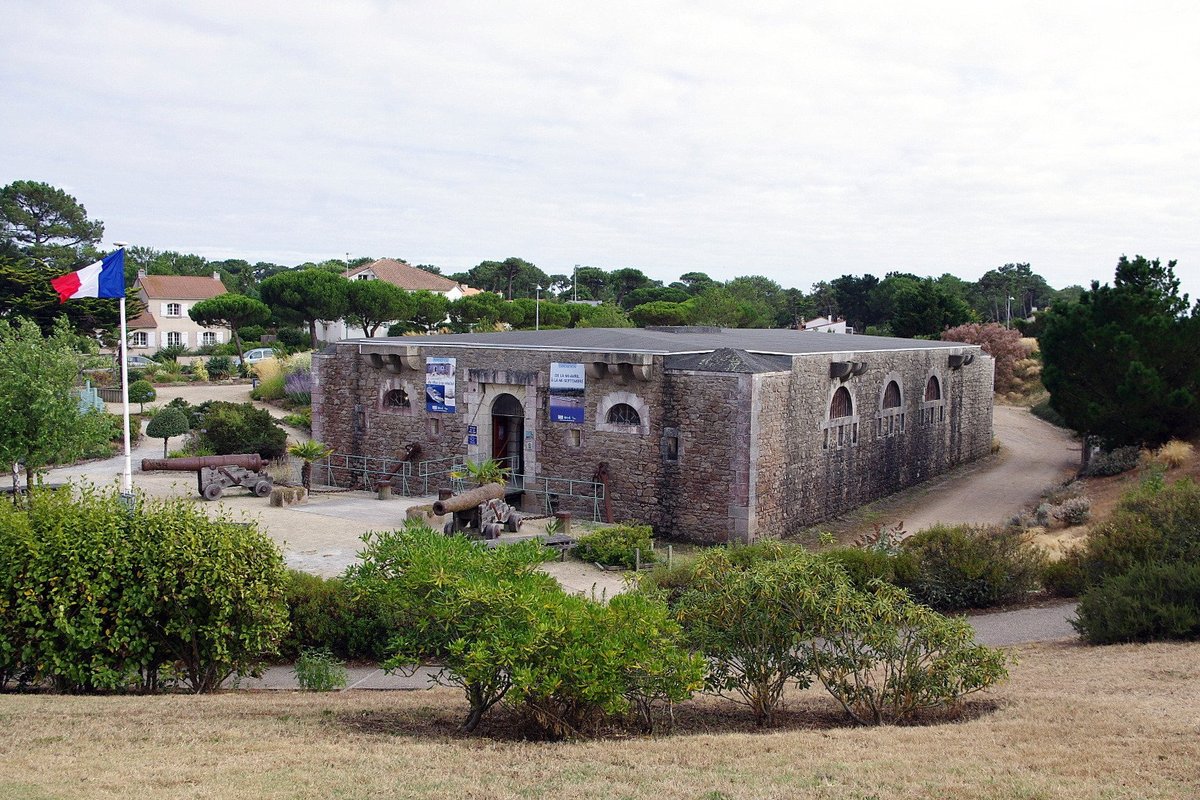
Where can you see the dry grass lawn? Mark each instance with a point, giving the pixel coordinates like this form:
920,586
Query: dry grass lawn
1074,722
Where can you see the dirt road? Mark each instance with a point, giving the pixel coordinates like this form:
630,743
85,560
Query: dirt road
1034,455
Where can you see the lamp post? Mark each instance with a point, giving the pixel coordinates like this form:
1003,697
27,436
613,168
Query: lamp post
575,285
537,308
1008,306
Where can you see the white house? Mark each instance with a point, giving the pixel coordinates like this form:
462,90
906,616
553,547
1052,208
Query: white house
165,322
397,273
826,325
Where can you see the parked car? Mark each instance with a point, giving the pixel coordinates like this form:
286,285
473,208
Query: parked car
253,356
138,362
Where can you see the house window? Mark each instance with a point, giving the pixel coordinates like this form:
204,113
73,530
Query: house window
139,339
174,309
174,339
396,398
623,414
576,437
208,338
842,428
891,411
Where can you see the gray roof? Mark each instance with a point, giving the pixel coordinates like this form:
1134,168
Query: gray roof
727,360
662,341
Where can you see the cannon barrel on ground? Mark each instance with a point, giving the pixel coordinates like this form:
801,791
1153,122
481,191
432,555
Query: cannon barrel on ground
470,499
250,461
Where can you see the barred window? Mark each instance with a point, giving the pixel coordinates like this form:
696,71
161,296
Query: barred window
396,398
623,414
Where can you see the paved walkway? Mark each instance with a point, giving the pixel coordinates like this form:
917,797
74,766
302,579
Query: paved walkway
1045,623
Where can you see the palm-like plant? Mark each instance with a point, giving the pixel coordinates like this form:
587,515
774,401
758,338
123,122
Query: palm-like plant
309,452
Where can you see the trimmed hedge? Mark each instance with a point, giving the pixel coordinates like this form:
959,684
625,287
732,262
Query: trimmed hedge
614,546
1148,603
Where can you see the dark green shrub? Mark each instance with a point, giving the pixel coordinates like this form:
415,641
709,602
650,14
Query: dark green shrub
1154,523
863,566
251,335
1149,602
958,567
220,367
166,423
104,597
1113,462
169,354
141,392
1045,411
326,613
241,428
293,339
615,546
1065,577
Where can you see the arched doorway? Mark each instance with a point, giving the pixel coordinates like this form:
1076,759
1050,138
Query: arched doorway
508,432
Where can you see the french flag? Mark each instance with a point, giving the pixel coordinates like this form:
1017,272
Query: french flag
103,279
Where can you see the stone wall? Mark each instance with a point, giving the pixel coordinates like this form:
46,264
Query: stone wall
715,456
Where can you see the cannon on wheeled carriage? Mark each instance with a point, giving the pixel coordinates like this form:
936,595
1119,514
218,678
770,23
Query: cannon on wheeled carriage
214,474
481,510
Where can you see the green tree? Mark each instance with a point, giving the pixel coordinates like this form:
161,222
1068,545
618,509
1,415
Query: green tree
306,297
142,392
624,282
603,316
484,309
660,313
170,421
230,311
553,314
853,296
926,308
39,416
25,291
592,283
47,225
371,304
1122,363
694,282
309,452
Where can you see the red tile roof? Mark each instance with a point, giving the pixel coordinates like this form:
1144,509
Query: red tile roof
406,276
180,287
143,320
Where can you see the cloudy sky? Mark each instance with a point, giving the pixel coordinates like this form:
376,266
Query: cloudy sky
796,140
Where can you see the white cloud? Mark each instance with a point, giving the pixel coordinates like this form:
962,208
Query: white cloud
802,143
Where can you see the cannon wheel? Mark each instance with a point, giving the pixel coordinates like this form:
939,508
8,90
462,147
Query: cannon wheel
262,488
212,491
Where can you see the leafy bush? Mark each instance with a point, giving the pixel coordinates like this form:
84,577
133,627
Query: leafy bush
1043,410
615,546
753,622
293,339
1148,602
506,632
220,367
300,418
1113,462
1065,577
885,658
170,421
141,392
1154,523
864,566
1002,344
101,596
169,354
961,566
241,428
319,671
327,613
1075,511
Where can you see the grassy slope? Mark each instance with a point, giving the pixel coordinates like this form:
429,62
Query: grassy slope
1074,722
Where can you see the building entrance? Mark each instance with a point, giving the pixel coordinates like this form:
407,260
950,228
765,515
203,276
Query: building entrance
508,433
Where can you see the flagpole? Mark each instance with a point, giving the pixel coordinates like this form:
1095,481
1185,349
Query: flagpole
122,350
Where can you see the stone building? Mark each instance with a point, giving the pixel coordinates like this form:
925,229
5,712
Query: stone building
708,434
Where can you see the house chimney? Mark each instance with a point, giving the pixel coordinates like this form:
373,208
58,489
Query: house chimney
141,273
216,276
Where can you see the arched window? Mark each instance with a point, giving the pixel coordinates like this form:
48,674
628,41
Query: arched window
891,411
623,414
396,398
842,428
842,405
933,409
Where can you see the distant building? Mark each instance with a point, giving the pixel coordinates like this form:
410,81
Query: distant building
165,322
826,325
397,273
708,434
